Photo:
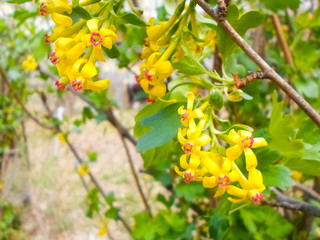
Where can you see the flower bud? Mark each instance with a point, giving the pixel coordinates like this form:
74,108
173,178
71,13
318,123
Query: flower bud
236,96
216,99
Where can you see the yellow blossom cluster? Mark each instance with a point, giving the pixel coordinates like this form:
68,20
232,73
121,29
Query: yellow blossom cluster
211,167
163,41
78,46
30,63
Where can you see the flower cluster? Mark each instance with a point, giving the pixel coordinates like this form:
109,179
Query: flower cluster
163,46
78,46
30,63
211,167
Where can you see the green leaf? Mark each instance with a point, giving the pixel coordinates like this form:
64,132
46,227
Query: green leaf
189,192
248,20
276,5
113,52
81,13
143,228
17,1
87,114
92,156
189,65
129,18
22,14
93,202
282,132
306,55
157,155
112,213
164,126
274,175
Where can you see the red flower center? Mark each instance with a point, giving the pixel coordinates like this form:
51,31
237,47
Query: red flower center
60,85
47,39
188,177
247,142
95,39
150,100
223,181
257,198
43,9
188,148
184,116
76,85
137,79
53,58
148,76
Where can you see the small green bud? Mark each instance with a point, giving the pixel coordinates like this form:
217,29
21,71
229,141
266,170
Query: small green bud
216,99
236,96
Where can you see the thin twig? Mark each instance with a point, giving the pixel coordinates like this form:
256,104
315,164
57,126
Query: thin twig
295,205
268,71
252,76
115,121
281,39
311,193
110,114
80,161
25,141
6,80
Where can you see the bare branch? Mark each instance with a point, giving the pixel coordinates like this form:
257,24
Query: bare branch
295,205
252,76
7,82
268,71
110,114
311,193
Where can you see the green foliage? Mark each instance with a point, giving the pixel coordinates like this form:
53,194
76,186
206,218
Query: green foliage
164,126
241,24
10,221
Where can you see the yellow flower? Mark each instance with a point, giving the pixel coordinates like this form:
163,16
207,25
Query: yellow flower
191,173
61,20
153,90
195,138
30,63
251,188
189,114
242,141
67,51
156,68
103,229
220,168
54,6
296,175
82,79
99,37
83,169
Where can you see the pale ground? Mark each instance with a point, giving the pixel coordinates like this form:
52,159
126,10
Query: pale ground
57,197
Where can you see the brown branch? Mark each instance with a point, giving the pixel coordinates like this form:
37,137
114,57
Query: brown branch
252,76
222,10
80,161
311,193
292,204
282,41
268,71
110,115
7,82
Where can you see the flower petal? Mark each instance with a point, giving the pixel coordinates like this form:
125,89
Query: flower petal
233,137
183,161
209,182
233,152
251,159
97,85
98,54
194,161
259,142
89,70
220,192
93,25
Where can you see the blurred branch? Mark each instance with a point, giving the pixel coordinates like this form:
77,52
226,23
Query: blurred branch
282,41
252,76
7,82
80,161
311,193
114,121
111,116
295,205
268,71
